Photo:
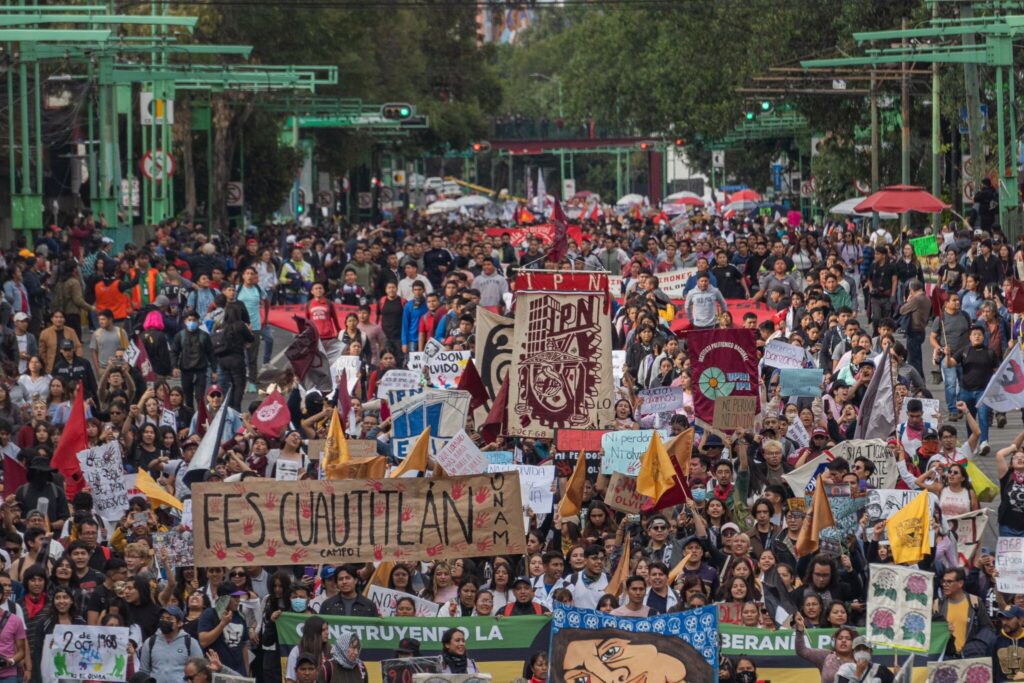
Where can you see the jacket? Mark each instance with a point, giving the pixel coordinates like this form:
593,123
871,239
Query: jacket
67,297
362,607
164,661
9,345
48,345
411,323
977,620
192,350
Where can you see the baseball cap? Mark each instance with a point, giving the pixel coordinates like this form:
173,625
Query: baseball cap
819,432
978,326
25,253
930,435
19,316
730,525
1012,612
861,641
106,240
409,646
174,612
306,658
67,345
327,571
214,389
520,580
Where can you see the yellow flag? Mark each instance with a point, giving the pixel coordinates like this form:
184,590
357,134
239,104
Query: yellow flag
681,449
821,518
572,499
656,473
336,448
618,579
908,531
418,458
380,577
156,493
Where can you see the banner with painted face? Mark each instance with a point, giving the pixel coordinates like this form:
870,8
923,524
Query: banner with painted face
589,645
498,646
561,375
262,522
724,363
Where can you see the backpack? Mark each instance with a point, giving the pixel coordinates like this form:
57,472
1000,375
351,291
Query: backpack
219,341
152,644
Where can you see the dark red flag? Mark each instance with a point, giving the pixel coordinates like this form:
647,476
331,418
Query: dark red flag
15,475
272,417
470,381
344,399
560,241
496,422
1015,300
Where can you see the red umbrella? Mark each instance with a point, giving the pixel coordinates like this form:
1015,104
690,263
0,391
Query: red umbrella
688,201
749,195
901,198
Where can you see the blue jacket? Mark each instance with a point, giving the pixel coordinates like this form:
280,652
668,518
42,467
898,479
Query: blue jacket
411,322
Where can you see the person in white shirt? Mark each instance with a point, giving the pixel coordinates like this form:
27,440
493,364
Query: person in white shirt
412,275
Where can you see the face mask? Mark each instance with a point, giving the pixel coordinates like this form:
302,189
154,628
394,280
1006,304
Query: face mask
166,627
862,656
299,604
699,495
192,325
746,677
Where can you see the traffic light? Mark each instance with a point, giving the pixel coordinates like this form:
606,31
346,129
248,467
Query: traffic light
644,146
749,115
680,142
396,111
766,106
481,147
300,201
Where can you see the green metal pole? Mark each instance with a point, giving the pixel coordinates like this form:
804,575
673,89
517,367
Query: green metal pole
905,127
936,136
129,162
11,158
972,86
618,174
1014,229
875,146
39,128
91,147
241,175
26,167
664,174
511,177
209,173
1000,168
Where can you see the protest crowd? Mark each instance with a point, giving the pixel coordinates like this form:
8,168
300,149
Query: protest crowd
590,450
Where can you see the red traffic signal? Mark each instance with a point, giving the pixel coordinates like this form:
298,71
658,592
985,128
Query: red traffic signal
680,142
644,146
482,146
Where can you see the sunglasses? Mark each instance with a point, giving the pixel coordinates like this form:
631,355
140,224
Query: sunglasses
659,527
237,574
216,393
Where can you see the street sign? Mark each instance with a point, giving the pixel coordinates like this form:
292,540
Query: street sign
234,194
156,165
365,200
325,199
387,194
398,178
134,195
568,189
964,129
154,109
807,189
718,158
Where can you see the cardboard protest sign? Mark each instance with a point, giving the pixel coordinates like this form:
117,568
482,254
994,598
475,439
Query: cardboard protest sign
661,400
673,282
569,443
398,380
1010,563
461,456
446,368
622,494
876,451
618,365
798,433
103,468
623,450
385,599
416,361
87,653
351,365
779,354
260,522
535,482
734,413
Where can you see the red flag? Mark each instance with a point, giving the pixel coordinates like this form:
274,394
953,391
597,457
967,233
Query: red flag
525,216
496,422
272,417
560,241
202,417
470,381
72,441
595,214
344,399
1015,298
15,475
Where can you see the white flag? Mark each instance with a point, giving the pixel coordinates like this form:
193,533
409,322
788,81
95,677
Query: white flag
1005,391
542,193
206,453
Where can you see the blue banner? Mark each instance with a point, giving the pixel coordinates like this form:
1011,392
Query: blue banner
442,410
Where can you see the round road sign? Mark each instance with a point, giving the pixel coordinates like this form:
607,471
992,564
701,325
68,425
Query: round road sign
156,165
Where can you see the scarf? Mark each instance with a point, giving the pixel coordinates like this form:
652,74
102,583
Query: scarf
457,664
34,606
340,651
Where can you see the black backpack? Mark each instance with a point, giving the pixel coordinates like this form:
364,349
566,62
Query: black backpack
219,341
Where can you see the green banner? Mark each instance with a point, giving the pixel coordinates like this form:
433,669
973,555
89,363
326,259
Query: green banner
498,646
925,246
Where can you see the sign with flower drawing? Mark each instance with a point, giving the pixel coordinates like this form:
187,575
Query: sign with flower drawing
899,607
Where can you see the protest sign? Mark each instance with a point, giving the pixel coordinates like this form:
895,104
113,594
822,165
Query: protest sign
498,646
500,457
492,352
399,380
416,361
974,670
446,368
802,479
88,653
779,354
1010,563
623,450
385,599
800,381
225,678
899,607
622,494
681,648
352,365
877,452
618,365
925,246
798,433
561,374
260,522
724,365
673,282
444,411
569,443
357,448
168,419
178,544
461,456
661,400
402,670
734,412
535,482
103,468
884,503
967,530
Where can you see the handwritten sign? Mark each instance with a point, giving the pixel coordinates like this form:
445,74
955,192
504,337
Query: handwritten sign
798,434
930,407
260,522
398,380
673,282
569,443
103,468
352,365
1010,563
779,354
875,450
461,456
535,483
661,400
385,599
446,368
623,450
618,365
88,653
734,413
622,495
416,361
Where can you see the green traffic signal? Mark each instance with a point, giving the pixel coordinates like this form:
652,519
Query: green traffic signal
750,116
765,105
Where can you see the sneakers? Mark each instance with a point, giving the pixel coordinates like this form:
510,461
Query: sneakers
250,388
984,449
1000,420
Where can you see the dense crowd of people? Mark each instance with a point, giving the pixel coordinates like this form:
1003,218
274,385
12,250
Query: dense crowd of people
75,308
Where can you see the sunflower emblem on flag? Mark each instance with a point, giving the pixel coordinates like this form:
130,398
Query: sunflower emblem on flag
713,384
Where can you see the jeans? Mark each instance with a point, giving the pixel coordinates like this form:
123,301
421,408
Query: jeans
252,356
982,412
915,340
296,298
1003,531
951,384
193,384
268,343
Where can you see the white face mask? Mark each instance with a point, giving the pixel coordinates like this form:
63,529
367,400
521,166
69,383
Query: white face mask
862,656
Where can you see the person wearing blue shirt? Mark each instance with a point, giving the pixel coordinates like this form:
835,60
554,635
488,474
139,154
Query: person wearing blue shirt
254,298
415,309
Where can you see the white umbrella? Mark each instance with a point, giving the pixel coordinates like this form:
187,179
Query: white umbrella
473,201
845,208
630,200
741,205
675,196
442,206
